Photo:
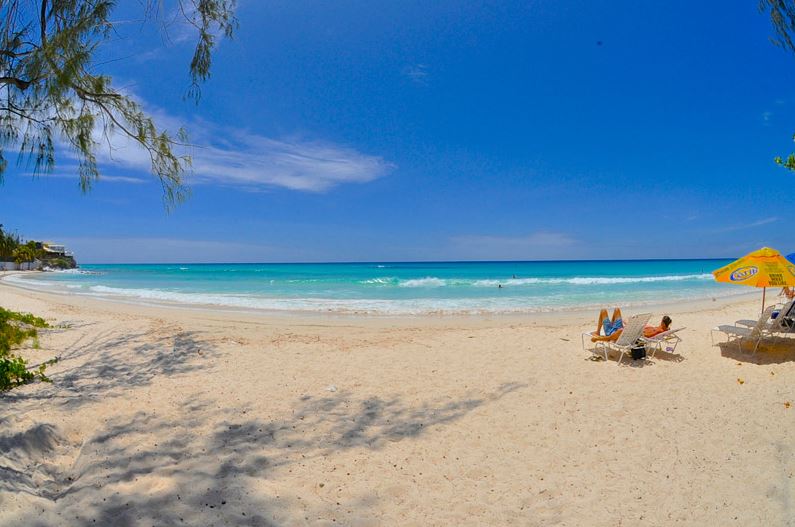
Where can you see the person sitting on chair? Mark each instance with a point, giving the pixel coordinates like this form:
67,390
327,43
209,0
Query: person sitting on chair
788,292
612,326
651,331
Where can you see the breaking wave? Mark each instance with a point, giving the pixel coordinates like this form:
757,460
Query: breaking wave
432,281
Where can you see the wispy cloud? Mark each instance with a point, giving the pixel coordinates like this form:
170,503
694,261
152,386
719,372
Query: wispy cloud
417,73
238,158
67,173
255,161
744,226
766,117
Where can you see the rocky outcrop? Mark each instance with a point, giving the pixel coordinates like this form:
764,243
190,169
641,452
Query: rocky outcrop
59,262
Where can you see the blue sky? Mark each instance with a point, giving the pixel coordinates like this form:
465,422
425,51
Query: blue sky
364,131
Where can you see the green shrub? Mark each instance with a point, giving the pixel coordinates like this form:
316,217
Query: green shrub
58,263
16,328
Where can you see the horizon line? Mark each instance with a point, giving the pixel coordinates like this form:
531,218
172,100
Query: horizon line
360,262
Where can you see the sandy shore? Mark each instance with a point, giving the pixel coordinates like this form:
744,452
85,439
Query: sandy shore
162,416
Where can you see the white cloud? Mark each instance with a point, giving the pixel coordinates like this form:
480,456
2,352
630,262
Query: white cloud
766,117
104,177
250,161
753,224
417,73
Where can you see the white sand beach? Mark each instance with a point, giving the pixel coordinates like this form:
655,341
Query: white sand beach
168,416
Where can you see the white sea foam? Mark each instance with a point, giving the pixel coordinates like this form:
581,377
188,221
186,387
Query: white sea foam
27,282
342,306
73,271
372,306
639,279
424,282
424,306
432,281
379,281
515,282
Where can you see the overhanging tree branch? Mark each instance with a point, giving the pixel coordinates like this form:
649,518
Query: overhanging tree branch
49,87
20,84
782,16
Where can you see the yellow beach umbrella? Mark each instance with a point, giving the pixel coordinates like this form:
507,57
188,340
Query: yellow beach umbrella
763,268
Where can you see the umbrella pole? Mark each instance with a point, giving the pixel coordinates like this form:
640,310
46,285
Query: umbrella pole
764,290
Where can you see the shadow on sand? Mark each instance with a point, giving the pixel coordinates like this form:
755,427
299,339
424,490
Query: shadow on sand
771,350
212,466
106,364
198,471
628,362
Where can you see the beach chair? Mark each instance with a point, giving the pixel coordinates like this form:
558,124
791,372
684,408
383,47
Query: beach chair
783,324
738,332
633,329
670,339
585,339
780,324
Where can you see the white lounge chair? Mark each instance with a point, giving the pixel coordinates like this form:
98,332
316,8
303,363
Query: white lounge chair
780,324
633,329
739,332
669,339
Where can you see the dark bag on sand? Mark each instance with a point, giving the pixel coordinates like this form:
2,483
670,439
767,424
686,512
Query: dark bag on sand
638,352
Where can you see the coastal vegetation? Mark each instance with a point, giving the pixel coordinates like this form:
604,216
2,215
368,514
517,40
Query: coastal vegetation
56,94
9,243
16,329
14,249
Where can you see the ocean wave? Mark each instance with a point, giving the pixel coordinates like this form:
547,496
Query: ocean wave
416,306
424,282
380,281
432,281
639,279
73,271
343,306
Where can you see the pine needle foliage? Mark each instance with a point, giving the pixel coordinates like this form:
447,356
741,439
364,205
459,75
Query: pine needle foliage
53,93
782,15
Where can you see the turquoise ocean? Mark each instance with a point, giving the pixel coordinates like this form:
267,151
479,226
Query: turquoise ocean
397,288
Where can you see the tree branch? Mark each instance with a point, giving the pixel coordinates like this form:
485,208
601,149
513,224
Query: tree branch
21,84
14,54
84,94
43,21
21,114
